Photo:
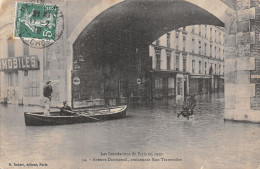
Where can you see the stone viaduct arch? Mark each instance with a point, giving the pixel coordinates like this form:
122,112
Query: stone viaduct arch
238,89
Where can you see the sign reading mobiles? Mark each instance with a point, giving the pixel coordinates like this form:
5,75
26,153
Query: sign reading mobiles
19,63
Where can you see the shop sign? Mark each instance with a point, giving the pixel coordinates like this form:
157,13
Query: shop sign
255,76
19,63
76,81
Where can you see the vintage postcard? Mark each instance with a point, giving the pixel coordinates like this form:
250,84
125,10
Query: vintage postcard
129,84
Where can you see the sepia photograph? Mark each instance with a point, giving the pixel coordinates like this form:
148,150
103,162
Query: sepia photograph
130,84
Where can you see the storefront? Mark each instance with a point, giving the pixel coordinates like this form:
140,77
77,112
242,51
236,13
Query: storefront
200,84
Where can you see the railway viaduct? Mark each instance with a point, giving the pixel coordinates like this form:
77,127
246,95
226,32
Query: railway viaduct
240,18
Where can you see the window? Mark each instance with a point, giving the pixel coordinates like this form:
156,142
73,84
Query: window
210,50
192,29
205,34
219,69
184,64
219,37
184,28
192,45
10,43
177,42
184,43
168,40
199,66
215,52
205,67
205,49
210,33
12,77
32,83
199,29
215,69
25,50
199,47
215,35
168,60
177,62
157,42
158,58
219,53
193,66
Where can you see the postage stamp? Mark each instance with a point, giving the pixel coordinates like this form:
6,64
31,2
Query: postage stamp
36,21
38,25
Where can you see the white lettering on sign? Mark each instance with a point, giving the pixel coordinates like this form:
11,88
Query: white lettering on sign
76,80
4,64
255,76
19,63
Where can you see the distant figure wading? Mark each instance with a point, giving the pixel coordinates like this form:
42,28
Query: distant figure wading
47,91
188,106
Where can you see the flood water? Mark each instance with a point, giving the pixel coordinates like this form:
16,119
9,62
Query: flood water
205,141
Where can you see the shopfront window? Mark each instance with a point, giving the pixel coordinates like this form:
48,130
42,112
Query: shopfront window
158,87
12,78
171,87
31,85
179,86
158,83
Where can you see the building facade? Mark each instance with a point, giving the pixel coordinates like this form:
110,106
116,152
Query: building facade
189,60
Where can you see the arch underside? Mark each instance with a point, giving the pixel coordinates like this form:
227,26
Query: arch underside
113,42
138,23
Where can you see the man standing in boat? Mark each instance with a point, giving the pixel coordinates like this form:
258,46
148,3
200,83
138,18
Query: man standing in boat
47,91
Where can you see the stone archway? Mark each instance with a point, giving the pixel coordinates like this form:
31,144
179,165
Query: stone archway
238,64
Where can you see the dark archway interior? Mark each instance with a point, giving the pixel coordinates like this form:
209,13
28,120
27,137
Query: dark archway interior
115,39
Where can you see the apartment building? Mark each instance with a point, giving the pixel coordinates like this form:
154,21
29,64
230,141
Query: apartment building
189,60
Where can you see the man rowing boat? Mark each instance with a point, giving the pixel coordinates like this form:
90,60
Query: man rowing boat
65,110
188,106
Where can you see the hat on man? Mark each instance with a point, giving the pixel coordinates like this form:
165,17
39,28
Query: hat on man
65,102
48,82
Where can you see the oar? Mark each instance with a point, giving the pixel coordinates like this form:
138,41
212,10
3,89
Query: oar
72,112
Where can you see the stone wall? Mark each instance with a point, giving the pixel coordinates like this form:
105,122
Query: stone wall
242,102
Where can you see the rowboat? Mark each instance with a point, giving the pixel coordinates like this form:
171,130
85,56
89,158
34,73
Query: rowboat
77,116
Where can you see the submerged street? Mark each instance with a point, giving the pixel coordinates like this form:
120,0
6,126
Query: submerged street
205,141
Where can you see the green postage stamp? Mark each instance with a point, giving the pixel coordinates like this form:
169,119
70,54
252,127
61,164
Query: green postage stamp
36,21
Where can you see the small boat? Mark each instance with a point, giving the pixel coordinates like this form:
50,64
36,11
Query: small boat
77,116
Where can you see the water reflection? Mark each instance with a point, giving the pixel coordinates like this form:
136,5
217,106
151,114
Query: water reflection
205,141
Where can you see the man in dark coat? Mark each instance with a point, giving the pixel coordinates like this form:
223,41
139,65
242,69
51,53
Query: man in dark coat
47,91
66,110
